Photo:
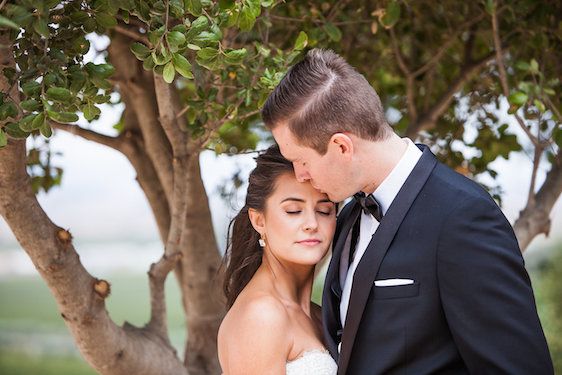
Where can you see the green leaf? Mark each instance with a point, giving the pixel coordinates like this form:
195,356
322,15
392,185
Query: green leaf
3,138
169,72
235,56
59,94
106,20
207,37
226,4
90,111
194,7
518,98
522,65
40,26
8,110
140,50
255,7
4,22
391,15
25,123
182,66
490,6
246,19
193,47
46,130
78,79
63,117
30,105
207,53
302,41
14,131
333,31
38,121
160,59
31,88
534,67
100,70
175,40
540,105
148,64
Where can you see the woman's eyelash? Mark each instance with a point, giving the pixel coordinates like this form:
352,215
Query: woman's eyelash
320,212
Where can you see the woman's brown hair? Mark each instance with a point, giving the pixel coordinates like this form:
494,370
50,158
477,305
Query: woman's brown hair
243,254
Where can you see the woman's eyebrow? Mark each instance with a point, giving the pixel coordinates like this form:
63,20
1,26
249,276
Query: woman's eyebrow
292,199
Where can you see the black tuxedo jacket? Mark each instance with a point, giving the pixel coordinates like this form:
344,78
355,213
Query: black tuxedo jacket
471,308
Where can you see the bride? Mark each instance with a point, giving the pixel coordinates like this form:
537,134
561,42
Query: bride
282,232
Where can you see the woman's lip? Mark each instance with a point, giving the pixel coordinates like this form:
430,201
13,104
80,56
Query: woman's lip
309,242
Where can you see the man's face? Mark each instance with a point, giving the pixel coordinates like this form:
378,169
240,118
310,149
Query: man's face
327,173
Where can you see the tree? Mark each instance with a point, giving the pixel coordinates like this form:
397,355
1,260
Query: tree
193,74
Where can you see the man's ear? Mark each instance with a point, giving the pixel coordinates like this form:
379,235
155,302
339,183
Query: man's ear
342,144
257,219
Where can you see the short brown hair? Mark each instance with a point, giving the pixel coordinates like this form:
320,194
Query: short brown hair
323,95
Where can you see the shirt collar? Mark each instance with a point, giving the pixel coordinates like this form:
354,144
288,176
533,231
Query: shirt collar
391,185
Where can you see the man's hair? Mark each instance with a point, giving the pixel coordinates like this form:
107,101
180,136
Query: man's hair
323,95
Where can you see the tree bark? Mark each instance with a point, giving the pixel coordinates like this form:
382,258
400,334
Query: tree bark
534,219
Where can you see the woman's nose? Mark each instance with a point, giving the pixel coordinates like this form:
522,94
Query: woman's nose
311,223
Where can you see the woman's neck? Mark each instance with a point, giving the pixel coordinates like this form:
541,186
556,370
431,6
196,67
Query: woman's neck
292,282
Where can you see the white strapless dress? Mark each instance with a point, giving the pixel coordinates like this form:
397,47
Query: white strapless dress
313,362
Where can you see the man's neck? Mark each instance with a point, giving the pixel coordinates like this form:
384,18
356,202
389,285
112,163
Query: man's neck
382,157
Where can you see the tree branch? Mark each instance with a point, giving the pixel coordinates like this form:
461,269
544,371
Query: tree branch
132,34
115,143
534,218
445,46
157,278
428,119
503,75
410,97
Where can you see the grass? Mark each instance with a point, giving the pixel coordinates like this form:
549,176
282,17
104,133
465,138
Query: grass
14,363
35,340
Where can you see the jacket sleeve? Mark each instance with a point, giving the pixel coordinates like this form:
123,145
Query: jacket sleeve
486,293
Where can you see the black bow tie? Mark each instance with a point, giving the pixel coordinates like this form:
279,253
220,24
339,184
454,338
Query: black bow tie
369,204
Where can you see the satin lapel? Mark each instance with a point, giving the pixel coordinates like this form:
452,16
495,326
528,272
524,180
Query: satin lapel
368,267
329,311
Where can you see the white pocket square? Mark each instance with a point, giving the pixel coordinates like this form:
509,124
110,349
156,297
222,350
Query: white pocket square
393,282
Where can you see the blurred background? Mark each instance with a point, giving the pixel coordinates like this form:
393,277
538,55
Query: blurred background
101,204
114,232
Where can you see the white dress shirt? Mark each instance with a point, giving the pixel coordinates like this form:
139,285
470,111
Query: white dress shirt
384,194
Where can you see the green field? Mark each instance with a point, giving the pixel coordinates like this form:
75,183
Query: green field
34,339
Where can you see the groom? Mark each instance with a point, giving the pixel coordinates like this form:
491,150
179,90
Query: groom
426,274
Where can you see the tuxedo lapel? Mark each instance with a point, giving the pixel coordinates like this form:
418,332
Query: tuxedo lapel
368,267
330,305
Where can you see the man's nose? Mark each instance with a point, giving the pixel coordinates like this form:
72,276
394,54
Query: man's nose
300,173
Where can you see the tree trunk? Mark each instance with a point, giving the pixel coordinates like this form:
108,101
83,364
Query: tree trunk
80,298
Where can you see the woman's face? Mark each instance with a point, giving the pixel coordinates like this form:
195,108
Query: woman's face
299,222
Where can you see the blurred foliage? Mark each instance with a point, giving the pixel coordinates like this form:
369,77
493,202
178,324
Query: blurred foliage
226,56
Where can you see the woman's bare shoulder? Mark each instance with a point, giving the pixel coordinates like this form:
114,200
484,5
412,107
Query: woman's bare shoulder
255,312
256,327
